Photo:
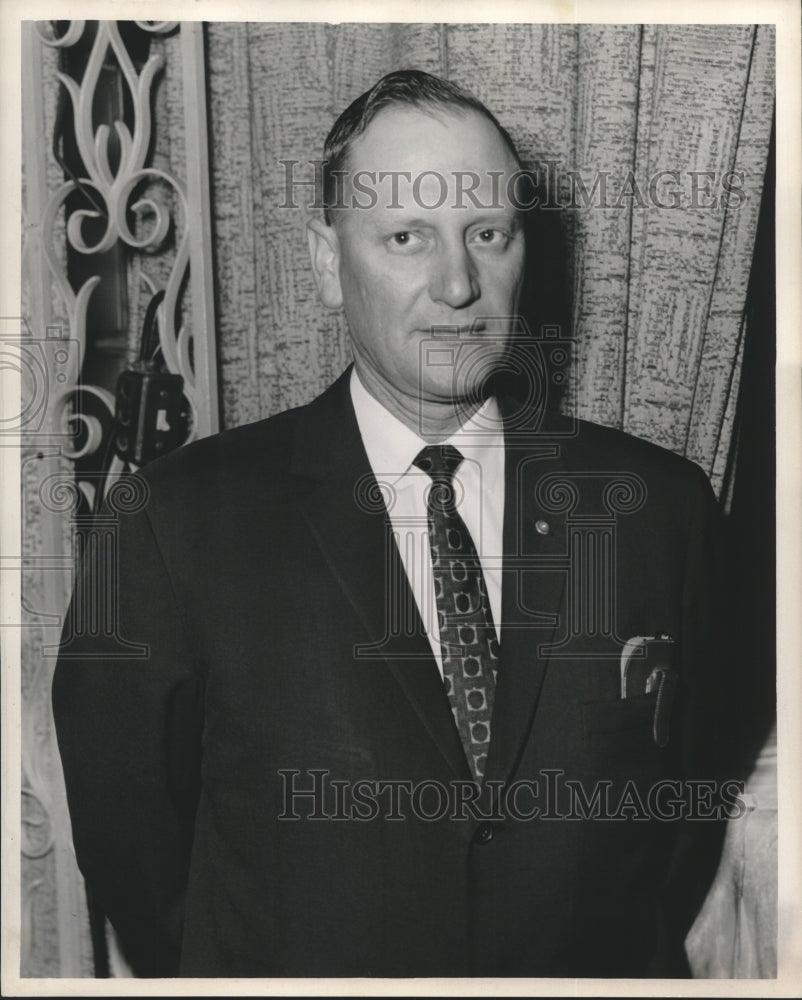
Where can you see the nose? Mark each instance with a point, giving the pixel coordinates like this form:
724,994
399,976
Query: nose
454,279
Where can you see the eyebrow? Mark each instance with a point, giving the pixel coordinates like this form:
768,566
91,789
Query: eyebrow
488,217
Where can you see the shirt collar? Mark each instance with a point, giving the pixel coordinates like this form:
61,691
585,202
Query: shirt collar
391,446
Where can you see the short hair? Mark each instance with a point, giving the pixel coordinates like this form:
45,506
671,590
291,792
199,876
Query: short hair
406,87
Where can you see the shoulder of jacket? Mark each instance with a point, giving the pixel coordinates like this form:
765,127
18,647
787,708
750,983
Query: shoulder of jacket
227,455
597,445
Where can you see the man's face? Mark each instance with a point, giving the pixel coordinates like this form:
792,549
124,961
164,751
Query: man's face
443,246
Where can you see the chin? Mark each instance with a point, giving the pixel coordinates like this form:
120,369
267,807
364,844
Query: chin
459,394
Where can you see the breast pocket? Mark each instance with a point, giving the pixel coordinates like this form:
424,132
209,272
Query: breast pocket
653,710
622,715
619,738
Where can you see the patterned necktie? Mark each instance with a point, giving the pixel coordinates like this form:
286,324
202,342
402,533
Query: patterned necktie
468,640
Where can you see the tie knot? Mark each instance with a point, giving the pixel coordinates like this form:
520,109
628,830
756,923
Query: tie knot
440,461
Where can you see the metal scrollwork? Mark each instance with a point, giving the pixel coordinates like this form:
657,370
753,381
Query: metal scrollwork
113,192
157,27
73,33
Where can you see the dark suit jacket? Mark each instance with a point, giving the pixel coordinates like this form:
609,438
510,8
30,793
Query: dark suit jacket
259,575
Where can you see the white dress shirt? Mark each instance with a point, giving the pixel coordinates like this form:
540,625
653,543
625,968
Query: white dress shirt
478,483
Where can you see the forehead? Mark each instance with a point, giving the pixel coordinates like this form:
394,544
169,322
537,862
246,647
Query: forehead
445,141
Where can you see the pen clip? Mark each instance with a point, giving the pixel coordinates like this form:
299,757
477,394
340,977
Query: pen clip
665,681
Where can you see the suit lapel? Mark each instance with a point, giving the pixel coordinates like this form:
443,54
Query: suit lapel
533,584
350,523
348,519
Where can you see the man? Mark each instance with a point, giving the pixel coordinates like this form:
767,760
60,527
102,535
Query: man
389,633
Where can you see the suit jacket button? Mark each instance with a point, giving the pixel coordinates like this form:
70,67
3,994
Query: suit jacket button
484,834
542,527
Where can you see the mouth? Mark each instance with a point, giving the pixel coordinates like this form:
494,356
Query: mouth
460,329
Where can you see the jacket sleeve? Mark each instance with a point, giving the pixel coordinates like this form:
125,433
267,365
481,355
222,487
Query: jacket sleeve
703,659
129,734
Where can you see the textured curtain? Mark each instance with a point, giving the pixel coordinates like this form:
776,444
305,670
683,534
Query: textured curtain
653,139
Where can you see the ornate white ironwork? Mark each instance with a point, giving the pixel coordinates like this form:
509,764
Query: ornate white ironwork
138,206
115,188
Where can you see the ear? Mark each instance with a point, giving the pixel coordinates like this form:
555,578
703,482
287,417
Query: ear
324,250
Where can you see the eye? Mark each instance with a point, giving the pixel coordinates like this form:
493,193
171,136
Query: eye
490,237
404,240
